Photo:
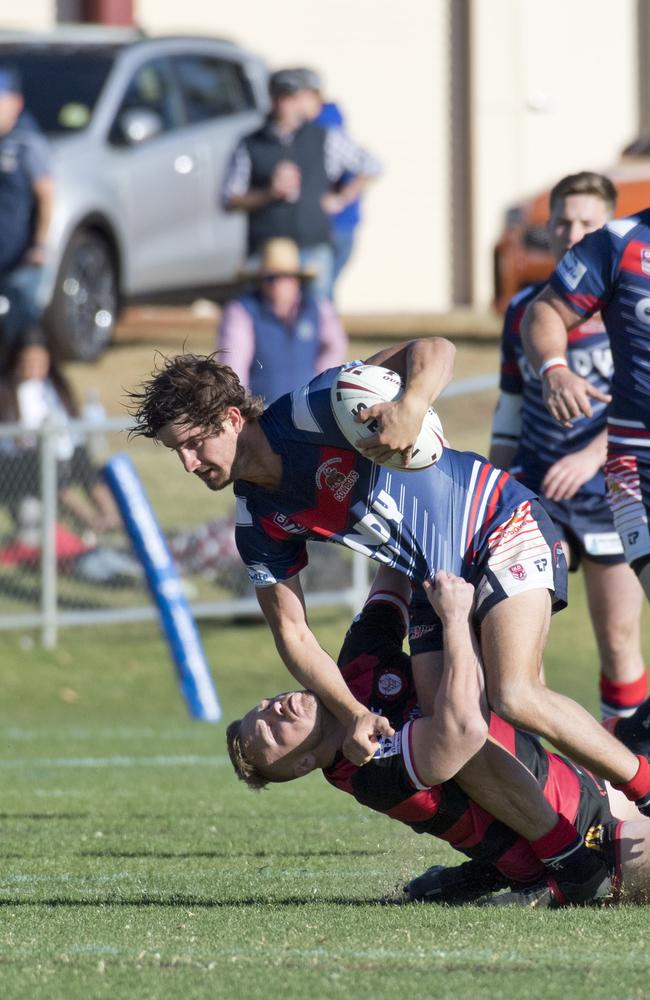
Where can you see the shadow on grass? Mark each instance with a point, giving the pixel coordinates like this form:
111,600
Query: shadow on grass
45,816
165,855
190,902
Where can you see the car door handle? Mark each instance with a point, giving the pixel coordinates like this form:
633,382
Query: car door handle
184,164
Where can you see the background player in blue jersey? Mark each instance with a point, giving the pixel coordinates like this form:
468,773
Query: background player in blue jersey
564,465
297,478
608,271
292,734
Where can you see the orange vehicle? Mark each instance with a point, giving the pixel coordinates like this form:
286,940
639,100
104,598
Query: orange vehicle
522,256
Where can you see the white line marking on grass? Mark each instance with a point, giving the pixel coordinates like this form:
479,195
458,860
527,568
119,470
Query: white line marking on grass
186,760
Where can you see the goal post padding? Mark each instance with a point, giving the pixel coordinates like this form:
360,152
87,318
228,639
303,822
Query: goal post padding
177,621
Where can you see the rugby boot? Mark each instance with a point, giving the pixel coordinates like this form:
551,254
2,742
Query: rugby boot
463,883
587,881
634,731
539,896
547,895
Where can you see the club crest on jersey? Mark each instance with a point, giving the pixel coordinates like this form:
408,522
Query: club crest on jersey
645,260
390,684
518,571
328,476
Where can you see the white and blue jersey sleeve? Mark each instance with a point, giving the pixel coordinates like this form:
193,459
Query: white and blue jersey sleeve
609,270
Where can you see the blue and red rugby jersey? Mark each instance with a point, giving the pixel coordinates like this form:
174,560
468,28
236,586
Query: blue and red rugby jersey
543,440
418,522
379,675
609,272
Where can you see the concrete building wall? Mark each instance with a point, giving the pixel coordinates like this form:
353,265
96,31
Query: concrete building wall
553,87
32,15
387,65
554,91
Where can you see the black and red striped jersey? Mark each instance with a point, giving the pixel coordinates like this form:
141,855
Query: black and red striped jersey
379,674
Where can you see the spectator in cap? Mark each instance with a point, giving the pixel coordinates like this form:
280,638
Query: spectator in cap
26,204
282,176
344,203
278,336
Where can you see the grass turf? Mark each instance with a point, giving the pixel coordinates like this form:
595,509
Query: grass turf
134,864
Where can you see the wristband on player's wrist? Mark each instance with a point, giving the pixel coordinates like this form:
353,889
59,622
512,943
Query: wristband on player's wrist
551,363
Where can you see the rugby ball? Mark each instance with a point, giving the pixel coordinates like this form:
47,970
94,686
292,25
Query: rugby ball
356,389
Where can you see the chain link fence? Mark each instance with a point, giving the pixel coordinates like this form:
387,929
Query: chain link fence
65,558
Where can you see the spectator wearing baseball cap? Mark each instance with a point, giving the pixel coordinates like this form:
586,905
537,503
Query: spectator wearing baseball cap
282,176
278,336
26,204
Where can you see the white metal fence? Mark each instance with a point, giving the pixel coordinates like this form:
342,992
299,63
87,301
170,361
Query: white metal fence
53,574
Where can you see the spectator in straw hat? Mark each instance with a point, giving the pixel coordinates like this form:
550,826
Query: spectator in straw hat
279,335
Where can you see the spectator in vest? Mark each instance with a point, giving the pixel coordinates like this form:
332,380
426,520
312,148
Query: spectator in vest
26,203
279,336
345,213
283,174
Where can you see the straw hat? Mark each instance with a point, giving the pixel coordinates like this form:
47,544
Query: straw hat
280,256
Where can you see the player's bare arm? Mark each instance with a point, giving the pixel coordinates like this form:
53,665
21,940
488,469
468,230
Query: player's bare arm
427,368
544,330
443,743
284,609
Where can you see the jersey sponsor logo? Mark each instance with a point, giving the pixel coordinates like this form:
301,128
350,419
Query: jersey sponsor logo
541,564
642,311
571,270
285,522
388,746
505,532
583,362
603,543
259,573
645,260
518,571
390,684
372,533
328,476
417,631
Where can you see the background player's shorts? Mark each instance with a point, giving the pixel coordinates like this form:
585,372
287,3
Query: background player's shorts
523,553
586,524
628,494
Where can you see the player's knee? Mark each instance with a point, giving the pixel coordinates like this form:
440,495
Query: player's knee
516,702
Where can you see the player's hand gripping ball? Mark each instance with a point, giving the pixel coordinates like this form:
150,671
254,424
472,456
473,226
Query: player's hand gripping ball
357,389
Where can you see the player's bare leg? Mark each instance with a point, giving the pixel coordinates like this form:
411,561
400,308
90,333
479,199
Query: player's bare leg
615,603
493,777
513,636
508,790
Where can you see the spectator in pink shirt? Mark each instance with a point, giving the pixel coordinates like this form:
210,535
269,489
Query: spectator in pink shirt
279,336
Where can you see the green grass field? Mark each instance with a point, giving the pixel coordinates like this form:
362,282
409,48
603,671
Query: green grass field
136,866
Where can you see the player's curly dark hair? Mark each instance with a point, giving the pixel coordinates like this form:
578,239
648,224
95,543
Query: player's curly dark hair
189,388
244,768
